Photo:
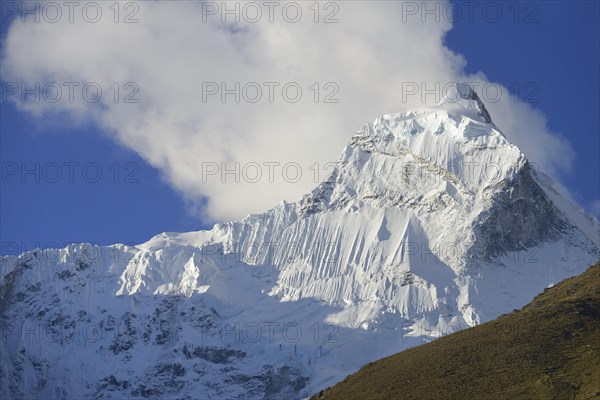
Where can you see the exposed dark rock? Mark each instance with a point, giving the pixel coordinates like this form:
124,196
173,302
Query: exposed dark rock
522,217
214,355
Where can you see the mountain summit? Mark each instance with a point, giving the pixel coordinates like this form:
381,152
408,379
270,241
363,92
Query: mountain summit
463,94
430,222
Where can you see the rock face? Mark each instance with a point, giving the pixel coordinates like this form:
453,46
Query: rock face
464,91
430,222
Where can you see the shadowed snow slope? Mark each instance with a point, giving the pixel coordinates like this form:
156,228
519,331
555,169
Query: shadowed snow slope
430,222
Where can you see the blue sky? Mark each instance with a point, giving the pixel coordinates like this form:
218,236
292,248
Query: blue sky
558,51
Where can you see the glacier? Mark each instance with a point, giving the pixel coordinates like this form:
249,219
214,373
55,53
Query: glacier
431,221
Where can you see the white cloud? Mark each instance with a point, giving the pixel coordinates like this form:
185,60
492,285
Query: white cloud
170,52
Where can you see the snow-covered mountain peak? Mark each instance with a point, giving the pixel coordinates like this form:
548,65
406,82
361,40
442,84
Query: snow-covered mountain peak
451,143
461,96
458,124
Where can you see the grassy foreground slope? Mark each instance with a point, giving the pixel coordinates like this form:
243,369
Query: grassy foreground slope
550,349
